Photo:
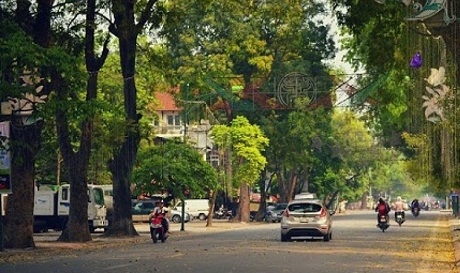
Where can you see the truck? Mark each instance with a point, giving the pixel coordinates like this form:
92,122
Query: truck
197,208
52,205
108,201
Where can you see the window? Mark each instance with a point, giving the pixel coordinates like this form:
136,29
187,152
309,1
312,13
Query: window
173,120
98,196
65,194
305,207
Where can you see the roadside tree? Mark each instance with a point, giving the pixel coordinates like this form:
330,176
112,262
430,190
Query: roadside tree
246,143
130,20
175,168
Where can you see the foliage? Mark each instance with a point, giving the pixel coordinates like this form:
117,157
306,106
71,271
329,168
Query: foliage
174,167
235,43
394,105
247,143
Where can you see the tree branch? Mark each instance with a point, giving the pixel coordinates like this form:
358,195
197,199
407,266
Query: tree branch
145,16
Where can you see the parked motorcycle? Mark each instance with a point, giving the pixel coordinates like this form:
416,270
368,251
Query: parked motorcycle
383,222
399,218
223,213
157,230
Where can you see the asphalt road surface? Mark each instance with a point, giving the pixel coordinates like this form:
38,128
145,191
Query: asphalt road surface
420,245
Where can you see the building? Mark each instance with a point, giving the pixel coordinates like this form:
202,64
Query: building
170,124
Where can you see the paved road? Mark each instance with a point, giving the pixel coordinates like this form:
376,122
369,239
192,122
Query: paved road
421,245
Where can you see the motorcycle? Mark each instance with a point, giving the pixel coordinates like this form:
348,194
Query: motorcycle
399,218
415,211
157,230
223,213
383,222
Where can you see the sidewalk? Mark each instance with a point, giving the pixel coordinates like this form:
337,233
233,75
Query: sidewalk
454,224
47,245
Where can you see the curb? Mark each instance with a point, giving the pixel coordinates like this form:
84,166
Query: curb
455,228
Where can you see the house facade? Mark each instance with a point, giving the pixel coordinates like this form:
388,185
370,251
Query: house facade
169,124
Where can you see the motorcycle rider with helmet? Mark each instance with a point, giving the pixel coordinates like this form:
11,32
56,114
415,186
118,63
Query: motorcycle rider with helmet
399,208
157,211
415,206
383,209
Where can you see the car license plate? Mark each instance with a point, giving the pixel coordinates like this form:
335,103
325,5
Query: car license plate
304,220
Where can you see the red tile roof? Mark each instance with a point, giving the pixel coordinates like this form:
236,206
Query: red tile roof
166,102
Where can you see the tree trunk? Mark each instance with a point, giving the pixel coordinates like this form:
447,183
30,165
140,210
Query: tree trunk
287,186
77,229
267,179
123,161
244,203
18,226
77,163
25,141
121,168
212,205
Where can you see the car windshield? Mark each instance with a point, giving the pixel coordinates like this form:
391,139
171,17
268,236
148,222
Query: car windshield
281,207
305,207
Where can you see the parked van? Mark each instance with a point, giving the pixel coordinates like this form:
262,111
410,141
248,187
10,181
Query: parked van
197,208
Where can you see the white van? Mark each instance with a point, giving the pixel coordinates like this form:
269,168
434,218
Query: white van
197,208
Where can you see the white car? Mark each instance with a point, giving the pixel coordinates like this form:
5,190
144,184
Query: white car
306,218
175,216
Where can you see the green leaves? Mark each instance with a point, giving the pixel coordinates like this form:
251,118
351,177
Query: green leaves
175,167
247,142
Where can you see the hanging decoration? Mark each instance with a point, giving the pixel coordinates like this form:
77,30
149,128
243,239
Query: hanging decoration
416,61
405,2
430,9
438,91
423,13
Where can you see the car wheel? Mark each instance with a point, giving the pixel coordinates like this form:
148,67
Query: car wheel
176,219
202,217
327,237
284,238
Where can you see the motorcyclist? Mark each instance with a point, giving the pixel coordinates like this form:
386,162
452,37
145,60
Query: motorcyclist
157,211
415,206
383,209
399,208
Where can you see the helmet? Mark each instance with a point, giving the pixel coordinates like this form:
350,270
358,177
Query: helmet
399,198
381,200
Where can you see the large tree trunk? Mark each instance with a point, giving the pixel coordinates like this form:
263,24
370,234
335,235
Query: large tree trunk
122,164
244,203
77,229
25,140
77,163
121,167
18,226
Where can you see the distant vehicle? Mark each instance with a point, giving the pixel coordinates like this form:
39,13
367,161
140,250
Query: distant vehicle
306,218
141,209
52,206
305,195
276,214
197,208
175,216
270,206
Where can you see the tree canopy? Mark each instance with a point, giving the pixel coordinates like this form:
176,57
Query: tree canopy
176,168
